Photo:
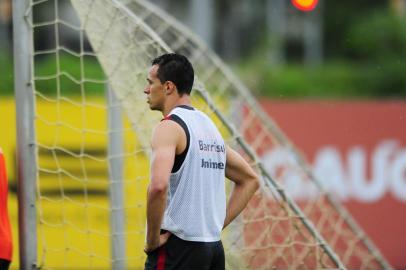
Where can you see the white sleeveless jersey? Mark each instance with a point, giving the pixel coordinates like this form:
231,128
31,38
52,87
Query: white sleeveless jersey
196,204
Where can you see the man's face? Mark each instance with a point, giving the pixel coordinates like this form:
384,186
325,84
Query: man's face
155,90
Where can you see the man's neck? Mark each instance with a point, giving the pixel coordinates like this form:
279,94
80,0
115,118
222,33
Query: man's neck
184,100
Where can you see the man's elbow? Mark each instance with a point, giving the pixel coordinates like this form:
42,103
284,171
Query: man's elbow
158,187
254,181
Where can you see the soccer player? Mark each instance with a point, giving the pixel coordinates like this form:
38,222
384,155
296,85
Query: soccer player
186,201
6,247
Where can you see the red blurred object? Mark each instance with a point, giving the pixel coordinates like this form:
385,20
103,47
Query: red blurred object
6,246
305,5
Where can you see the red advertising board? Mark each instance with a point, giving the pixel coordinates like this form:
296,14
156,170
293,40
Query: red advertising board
363,146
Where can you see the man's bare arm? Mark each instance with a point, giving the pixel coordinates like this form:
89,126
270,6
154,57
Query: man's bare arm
164,141
246,183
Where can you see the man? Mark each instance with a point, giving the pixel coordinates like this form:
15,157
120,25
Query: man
6,246
186,201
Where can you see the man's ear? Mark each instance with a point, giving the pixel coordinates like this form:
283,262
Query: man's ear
169,87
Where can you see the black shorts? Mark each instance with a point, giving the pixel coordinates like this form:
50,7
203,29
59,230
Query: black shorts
4,264
180,254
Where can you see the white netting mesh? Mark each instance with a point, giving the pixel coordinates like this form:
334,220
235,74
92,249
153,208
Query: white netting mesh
70,78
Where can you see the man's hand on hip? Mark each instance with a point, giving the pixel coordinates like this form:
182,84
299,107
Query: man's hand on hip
163,238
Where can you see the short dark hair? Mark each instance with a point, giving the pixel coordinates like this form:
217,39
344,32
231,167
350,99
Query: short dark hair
177,69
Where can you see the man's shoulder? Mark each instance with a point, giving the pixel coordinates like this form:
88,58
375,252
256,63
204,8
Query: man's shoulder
167,128
165,124
166,133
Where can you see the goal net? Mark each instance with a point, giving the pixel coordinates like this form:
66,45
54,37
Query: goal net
286,165
89,62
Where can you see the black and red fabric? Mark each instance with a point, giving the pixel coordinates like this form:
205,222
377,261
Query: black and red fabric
181,255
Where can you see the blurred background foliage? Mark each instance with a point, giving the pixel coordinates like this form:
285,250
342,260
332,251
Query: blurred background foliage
364,53
364,57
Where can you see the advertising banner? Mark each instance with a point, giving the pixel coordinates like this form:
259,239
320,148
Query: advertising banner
358,152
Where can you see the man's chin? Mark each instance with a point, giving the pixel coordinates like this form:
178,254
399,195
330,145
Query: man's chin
153,108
